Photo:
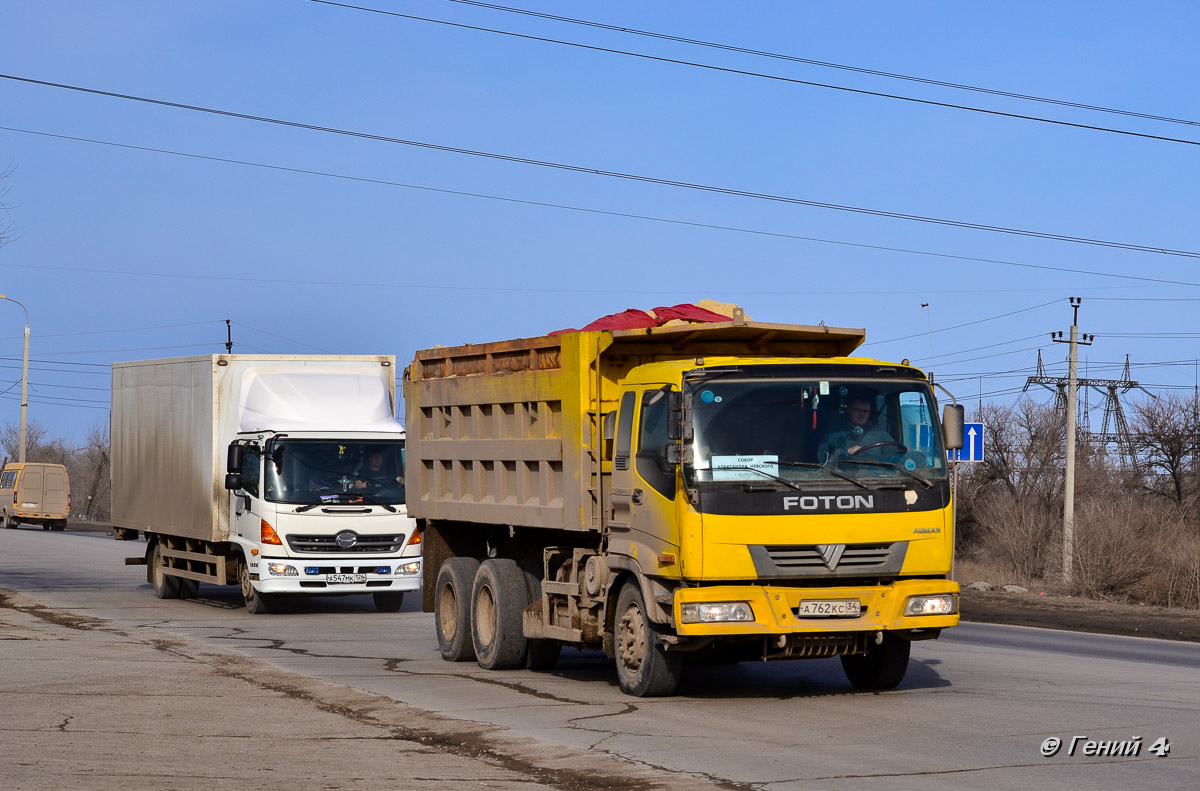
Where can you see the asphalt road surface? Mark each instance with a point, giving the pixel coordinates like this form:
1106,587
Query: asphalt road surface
107,687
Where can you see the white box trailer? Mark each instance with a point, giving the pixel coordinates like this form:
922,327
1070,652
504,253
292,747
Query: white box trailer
279,473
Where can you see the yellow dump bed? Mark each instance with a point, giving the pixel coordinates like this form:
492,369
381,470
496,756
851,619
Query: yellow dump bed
512,432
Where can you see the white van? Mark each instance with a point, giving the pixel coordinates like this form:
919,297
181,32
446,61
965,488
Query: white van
35,494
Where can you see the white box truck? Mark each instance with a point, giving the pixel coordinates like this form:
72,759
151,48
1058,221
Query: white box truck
279,473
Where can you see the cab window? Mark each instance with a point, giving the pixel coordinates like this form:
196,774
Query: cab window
652,464
251,471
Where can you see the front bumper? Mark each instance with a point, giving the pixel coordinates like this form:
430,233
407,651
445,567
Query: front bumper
775,608
315,577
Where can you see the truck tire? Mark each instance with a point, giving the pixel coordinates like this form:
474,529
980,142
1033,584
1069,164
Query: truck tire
644,668
188,589
882,667
452,608
166,586
59,525
9,522
498,598
390,601
257,603
541,654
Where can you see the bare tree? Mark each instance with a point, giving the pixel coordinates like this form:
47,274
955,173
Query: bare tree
35,436
1167,441
91,479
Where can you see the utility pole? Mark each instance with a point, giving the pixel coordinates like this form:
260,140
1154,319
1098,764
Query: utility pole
1069,477
24,376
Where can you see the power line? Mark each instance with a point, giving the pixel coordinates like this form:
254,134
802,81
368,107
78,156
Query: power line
760,75
825,64
970,323
638,178
586,210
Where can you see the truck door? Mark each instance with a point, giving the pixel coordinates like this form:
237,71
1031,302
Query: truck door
643,490
246,520
621,494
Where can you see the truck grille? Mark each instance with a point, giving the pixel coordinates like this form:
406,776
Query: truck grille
828,560
349,542
855,557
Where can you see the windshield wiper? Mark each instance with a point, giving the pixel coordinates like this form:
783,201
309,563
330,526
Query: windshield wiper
376,501
810,465
351,497
924,481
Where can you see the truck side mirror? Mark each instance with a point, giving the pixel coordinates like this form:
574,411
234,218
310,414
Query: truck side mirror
233,481
952,426
234,462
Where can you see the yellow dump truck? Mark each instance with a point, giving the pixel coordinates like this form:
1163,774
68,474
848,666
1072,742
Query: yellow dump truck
707,492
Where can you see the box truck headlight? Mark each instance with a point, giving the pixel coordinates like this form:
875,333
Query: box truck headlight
945,604
282,570
716,612
408,569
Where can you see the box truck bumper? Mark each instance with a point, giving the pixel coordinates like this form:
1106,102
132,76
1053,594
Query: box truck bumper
766,609
339,575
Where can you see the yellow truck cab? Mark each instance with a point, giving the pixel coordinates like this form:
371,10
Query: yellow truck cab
719,491
34,493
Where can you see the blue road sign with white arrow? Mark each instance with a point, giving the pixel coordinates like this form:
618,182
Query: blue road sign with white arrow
972,449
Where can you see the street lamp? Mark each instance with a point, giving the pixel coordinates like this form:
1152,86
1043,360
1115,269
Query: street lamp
24,376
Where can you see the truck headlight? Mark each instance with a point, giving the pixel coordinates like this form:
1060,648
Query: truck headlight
944,604
716,612
282,570
408,569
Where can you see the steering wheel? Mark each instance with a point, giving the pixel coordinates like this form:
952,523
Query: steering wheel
903,448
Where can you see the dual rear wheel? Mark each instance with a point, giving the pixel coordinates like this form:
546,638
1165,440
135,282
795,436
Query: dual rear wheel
478,610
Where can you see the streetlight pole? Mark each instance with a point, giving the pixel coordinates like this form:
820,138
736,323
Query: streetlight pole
24,376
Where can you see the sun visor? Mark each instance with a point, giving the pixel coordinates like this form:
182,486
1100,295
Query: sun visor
311,401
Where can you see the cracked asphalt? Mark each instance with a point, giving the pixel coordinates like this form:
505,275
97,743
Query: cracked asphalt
105,686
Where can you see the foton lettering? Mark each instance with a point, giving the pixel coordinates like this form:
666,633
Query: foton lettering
830,502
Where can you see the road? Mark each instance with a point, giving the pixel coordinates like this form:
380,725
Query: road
973,712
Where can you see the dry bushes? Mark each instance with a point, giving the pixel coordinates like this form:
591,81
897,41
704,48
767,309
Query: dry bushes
1135,536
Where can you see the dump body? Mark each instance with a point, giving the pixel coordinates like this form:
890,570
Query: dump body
738,490
509,432
254,469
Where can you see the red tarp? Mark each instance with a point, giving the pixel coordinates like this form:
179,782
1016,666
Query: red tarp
634,319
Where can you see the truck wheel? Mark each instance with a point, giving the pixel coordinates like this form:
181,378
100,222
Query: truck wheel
188,589
452,608
9,522
166,586
59,525
541,654
644,667
882,667
257,603
46,526
497,600
391,601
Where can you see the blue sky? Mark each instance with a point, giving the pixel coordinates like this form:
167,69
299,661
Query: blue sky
121,253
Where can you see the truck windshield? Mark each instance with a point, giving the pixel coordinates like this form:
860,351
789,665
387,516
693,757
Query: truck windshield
335,471
784,431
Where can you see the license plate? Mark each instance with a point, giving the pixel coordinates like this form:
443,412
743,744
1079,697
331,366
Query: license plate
345,579
831,608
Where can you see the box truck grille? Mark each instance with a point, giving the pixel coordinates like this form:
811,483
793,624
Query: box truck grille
855,557
331,544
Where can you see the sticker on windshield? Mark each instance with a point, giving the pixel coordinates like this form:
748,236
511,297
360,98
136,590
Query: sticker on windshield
707,396
824,388
743,468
